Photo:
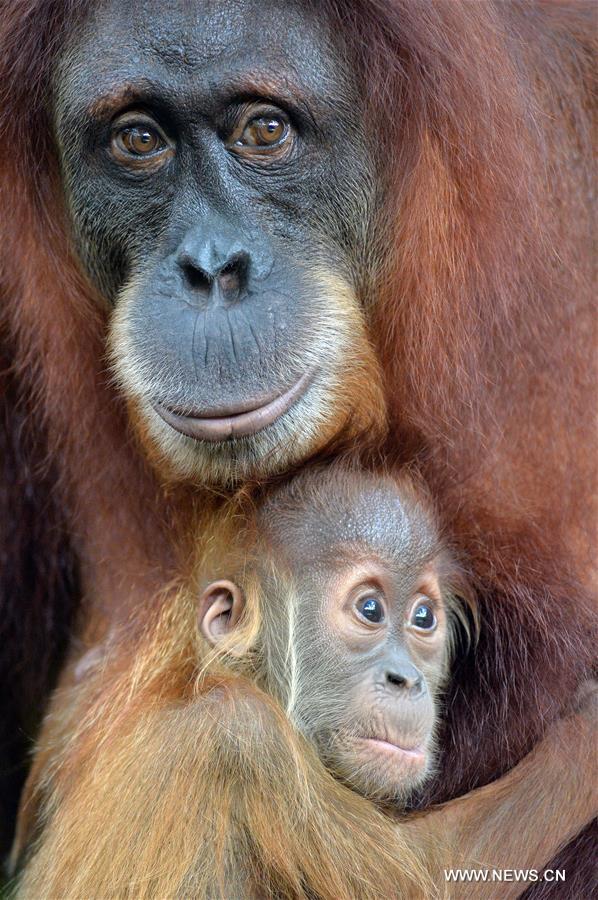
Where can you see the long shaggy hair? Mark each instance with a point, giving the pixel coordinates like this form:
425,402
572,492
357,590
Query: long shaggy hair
480,311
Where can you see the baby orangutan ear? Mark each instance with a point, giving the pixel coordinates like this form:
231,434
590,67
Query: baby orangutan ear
220,608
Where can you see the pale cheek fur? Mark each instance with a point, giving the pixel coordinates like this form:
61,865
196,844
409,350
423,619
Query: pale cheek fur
345,396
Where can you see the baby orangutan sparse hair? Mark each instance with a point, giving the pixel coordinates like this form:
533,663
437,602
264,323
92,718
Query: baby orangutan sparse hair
358,606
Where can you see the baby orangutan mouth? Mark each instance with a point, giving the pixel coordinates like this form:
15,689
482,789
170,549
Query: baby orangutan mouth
234,421
415,754
380,765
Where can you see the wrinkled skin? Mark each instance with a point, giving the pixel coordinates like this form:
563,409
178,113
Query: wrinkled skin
232,268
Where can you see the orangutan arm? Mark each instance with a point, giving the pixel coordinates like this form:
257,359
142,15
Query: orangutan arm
219,793
211,797
521,820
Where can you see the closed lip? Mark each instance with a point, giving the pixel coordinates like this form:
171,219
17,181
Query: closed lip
221,423
414,753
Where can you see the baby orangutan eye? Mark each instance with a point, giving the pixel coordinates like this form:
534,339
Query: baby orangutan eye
371,609
423,617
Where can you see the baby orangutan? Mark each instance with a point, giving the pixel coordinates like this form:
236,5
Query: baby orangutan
358,621
240,759
356,604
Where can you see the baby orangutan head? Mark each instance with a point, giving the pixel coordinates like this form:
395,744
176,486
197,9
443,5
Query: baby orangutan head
357,610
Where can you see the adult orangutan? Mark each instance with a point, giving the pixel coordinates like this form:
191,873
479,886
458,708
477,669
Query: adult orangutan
235,203
334,608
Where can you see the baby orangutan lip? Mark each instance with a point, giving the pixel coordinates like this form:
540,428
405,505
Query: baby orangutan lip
415,755
223,423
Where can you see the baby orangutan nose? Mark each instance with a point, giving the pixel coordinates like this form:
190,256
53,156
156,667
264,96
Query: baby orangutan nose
397,679
405,678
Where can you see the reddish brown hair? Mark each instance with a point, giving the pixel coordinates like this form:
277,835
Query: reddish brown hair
481,315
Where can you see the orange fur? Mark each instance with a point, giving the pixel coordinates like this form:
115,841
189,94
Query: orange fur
476,288
163,772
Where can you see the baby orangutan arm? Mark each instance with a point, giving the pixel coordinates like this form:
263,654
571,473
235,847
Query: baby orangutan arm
213,797
219,796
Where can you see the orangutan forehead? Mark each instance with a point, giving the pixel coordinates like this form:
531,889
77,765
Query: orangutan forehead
344,520
253,47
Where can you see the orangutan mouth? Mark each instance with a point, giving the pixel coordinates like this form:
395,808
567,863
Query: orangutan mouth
242,420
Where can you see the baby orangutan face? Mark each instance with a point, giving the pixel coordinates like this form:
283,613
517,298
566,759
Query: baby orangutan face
356,620
384,647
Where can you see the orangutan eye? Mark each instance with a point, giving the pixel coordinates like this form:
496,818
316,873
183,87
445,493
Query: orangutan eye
423,617
370,608
140,140
137,143
264,131
262,134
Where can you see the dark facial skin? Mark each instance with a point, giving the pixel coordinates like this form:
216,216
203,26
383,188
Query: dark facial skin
368,623
218,186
